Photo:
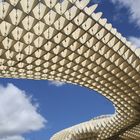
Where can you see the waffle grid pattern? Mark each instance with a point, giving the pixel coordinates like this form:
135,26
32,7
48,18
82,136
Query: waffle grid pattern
68,41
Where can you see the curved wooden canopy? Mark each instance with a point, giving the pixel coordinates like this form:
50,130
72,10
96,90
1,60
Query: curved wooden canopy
68,41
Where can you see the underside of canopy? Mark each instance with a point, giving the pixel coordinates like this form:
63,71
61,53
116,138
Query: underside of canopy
68,41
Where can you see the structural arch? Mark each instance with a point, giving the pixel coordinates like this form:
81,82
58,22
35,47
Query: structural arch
69,41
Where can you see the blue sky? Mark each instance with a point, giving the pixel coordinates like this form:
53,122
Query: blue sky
57,105
62,106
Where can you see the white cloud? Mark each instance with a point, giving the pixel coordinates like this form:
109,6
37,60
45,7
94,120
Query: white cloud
135,41
57,83
17,113
134,9
13,138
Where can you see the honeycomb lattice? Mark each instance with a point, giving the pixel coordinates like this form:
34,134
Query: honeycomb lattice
67,40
